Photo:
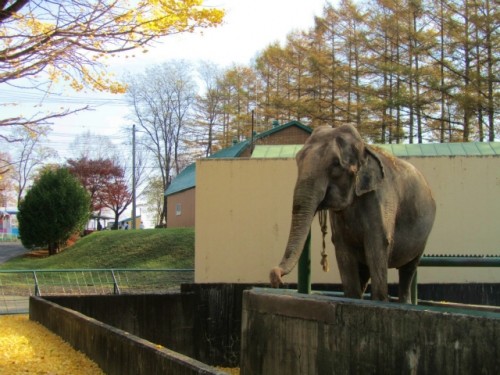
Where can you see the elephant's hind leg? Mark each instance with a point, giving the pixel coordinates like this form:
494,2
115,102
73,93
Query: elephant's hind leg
406,275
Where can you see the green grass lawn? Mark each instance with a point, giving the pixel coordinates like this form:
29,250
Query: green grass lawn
147,248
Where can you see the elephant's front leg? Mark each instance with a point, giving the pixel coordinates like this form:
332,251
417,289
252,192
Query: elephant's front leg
377,257
349,272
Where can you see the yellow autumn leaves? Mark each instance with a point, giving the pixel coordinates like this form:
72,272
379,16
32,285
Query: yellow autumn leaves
27,347
178,16
70,42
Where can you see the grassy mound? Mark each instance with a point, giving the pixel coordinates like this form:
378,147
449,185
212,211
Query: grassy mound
149,248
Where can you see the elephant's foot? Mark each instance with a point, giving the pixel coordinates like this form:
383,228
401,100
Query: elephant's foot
380,296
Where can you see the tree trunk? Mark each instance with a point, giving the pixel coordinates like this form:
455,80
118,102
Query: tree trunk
53,248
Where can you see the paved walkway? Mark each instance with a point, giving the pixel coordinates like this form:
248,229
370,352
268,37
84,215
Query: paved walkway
10,250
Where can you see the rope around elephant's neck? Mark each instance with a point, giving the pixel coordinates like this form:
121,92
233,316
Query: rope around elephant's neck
323,219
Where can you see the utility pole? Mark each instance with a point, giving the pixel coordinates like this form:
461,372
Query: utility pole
252,136
133,179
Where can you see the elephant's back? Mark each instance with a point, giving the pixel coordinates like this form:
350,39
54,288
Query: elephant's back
407,180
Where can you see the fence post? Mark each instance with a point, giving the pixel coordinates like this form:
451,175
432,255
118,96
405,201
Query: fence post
116,288
37,288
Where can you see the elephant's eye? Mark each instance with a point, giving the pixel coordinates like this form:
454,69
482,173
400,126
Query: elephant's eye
336,168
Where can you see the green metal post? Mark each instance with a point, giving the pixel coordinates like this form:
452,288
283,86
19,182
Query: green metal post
304,277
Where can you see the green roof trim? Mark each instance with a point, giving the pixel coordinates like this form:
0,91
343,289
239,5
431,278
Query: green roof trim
237,149
276,129
443,149
399,150
276,151
231,152
187,178
183,181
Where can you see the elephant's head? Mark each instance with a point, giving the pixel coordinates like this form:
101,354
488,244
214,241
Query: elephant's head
334,166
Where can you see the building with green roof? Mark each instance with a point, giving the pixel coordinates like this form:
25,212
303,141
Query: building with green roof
284,141
399,150
181,192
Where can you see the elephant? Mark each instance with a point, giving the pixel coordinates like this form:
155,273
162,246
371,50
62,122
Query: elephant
381,211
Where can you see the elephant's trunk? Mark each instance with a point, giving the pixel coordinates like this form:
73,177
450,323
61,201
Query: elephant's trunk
306,200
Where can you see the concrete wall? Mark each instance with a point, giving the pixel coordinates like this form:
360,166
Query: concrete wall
298,334
243,215
165,319
187,201
116,351
203,322
177,331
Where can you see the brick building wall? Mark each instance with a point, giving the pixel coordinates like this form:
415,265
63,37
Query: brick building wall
289,136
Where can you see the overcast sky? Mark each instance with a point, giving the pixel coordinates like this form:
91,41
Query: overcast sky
248,28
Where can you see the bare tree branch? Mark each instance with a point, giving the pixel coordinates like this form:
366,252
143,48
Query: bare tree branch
34,122
69,41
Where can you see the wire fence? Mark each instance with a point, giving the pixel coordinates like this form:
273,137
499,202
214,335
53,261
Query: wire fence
17,286
8,237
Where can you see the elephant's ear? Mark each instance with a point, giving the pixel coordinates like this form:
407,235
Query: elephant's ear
370,174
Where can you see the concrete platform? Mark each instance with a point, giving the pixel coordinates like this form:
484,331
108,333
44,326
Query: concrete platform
284,332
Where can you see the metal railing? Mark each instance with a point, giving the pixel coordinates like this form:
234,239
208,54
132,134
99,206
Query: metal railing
460,261
16,286
452,261
8,237
304,266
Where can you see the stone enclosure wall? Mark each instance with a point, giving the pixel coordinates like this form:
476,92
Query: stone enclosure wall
202,325
117,351
305,334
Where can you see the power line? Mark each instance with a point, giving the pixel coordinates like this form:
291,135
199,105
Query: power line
16,97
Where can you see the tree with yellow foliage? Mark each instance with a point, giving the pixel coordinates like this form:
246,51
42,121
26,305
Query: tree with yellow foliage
69,41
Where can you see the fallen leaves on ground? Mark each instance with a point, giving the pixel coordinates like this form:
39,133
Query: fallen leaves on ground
27,347
230,370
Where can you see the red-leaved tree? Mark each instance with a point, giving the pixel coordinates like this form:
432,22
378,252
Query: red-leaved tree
95,176
117,197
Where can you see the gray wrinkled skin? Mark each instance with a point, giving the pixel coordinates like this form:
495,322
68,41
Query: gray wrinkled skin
381,211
